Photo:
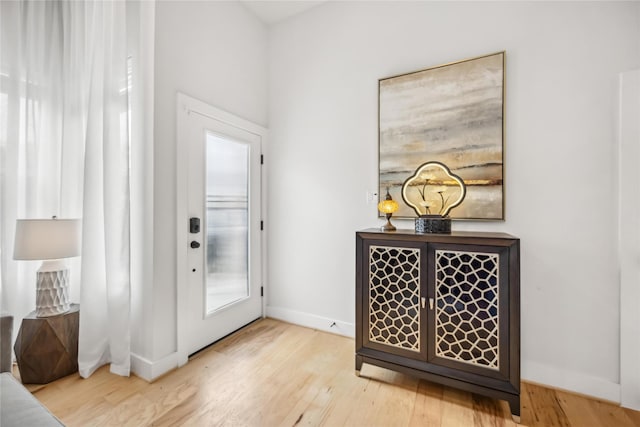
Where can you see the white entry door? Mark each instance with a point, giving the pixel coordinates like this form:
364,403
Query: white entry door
220,234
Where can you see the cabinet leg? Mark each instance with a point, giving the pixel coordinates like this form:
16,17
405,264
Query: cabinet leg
514,405
358,365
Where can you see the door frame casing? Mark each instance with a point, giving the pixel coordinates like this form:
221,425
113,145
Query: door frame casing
184,106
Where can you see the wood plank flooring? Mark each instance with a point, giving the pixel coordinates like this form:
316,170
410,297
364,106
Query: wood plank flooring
276,374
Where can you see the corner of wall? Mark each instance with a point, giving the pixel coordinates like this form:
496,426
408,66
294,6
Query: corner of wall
150,371
628,231
312,321
574,382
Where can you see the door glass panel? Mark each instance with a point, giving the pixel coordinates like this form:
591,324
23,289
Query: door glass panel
227,222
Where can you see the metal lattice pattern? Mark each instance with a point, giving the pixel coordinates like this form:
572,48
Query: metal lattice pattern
394,297
467,307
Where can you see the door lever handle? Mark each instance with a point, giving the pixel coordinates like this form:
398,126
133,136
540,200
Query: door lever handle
195,245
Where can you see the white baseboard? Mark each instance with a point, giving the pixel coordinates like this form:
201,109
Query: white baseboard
148,370
312,321
575,382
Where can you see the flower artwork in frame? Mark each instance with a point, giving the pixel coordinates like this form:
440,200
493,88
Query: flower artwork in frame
452,114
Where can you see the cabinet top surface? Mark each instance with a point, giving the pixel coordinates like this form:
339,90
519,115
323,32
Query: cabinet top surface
468,234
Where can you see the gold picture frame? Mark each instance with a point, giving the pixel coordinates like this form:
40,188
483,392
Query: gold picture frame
452,114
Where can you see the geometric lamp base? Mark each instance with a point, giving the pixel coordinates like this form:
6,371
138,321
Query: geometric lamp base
52,293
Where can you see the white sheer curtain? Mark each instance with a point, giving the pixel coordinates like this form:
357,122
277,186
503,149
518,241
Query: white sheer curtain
64,147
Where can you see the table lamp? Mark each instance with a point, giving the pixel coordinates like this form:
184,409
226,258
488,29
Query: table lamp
432,191
388,206
49,240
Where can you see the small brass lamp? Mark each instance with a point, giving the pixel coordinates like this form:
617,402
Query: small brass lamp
388,206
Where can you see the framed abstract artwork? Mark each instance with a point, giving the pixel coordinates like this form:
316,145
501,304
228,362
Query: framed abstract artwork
453,114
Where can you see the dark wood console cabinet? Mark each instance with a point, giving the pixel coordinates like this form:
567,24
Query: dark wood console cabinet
443,307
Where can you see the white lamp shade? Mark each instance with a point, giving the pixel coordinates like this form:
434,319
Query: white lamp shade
42,239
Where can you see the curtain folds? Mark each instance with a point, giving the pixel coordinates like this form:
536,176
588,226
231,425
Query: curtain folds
64,141
105,299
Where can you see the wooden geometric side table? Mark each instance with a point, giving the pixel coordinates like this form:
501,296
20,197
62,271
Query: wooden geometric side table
47,347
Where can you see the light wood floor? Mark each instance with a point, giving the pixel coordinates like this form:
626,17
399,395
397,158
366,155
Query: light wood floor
276,374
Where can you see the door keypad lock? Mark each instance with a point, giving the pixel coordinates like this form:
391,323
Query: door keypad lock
194,225
195,245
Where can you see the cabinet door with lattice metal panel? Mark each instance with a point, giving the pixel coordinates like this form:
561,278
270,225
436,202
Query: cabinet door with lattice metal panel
469,308
392,298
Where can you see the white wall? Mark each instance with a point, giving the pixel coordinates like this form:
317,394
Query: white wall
563,60
215,52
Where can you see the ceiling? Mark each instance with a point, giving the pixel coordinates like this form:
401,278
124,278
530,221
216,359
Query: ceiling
272,11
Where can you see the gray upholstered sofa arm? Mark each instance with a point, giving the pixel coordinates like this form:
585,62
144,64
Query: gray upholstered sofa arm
18,407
